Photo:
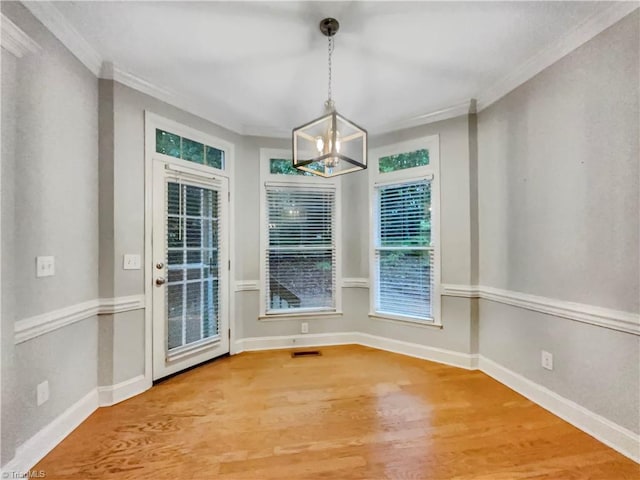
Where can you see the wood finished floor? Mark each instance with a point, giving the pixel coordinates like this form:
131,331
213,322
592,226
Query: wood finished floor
353,413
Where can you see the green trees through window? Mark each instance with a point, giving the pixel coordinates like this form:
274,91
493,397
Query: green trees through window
419,158
190,150
281,166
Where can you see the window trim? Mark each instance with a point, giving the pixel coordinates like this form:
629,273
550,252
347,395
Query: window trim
160,123
269,179
378,179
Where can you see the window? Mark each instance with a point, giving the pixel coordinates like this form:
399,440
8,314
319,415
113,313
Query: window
400,161
405,253
282,166
180,147
300,255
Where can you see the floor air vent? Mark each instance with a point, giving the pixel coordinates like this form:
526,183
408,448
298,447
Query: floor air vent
306,353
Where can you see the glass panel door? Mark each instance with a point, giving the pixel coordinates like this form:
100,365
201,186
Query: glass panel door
192,293
190,271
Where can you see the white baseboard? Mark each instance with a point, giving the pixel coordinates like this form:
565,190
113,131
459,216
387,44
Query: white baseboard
35,449
449,357
440,355
619,438
291,341
112,394
604,430
38,446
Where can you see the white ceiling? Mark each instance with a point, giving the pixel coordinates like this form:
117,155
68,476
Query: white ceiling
262,66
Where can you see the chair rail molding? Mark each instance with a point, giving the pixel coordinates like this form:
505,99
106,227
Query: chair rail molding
247,285
603,317
32,327
355,282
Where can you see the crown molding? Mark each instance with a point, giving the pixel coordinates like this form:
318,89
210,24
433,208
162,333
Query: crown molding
54,20
57,24
15,40
265,131
581,34
109,71
445,113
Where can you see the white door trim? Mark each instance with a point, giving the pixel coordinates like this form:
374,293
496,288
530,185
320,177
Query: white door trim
164,362
151,122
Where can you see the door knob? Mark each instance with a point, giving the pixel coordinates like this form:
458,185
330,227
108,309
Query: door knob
159,265
160,281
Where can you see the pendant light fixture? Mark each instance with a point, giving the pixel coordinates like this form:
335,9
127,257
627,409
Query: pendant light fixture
330,145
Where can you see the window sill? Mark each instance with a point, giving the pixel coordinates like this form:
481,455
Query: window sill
405,320
299,316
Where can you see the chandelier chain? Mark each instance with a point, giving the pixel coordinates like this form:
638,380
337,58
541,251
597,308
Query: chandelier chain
330,52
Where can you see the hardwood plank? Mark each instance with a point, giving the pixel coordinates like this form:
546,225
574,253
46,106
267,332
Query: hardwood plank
352,413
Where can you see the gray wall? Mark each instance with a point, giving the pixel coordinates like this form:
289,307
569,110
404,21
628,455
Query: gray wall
122,216
50,103
554,161
8,425
558,217
56,142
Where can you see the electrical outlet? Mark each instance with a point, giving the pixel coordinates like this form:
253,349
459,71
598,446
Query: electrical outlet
45,266
547,360
131,262
42,392
304,327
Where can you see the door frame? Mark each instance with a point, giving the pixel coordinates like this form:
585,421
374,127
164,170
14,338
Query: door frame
151,122
164,363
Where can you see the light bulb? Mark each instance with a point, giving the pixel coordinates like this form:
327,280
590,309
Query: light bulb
320,144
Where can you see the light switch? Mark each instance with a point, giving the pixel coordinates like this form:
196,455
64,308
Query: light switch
42,392
45,266
131,262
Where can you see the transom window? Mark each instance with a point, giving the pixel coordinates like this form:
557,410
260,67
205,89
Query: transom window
400,161
181,147
282,166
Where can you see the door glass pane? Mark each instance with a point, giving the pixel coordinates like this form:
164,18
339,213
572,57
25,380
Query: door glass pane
194,318
192,260
174,314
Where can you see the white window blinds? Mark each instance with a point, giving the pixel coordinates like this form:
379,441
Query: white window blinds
193,290
404,257
301,252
